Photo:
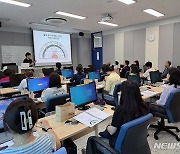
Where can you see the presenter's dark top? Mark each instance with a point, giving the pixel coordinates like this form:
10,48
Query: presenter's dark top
27,61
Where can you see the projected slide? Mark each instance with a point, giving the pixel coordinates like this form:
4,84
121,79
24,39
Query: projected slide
51,47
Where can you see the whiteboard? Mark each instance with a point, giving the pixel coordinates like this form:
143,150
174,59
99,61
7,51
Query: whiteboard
15,54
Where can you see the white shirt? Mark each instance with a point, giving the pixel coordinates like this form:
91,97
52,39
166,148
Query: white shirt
111,81
50,92
147,75
23,85
165,94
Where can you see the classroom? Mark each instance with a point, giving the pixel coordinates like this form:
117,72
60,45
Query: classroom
90,76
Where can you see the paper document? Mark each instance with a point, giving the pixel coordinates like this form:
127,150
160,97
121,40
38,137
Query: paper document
148,93
91,117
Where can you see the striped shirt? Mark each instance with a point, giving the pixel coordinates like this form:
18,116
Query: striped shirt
43,144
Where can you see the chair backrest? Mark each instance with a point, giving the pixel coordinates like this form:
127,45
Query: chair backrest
132,137
56,100
173,106
61,151
15,79
155,76
47,71
115,92
135,78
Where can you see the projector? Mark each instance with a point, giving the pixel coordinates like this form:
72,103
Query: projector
107,18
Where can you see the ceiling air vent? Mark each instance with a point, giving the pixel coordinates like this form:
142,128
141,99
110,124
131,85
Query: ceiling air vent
55,21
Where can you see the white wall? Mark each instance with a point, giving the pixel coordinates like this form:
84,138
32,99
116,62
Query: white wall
81,47
119,47
151,50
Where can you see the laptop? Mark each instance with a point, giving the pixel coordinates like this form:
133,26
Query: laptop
24,64
4,102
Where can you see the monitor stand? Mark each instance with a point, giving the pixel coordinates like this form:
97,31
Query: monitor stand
84,107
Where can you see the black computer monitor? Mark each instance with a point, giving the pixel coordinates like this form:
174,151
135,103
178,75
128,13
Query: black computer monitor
83,95
94,75
37,84
67,73
3,106
47,71
15,79
155,77
7,64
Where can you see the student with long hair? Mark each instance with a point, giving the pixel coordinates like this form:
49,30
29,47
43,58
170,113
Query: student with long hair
19,119
131,107
55,87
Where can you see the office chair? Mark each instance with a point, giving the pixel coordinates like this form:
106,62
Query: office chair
47,71
15,79
52,102
169,111
155,76
132,138
61,151
135,78
112,100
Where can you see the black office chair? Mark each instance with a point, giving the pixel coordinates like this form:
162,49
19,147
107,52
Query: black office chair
135,78
47,71
15,79
132,139
170,111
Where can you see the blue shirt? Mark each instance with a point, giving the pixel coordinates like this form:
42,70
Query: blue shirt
23,85
165,94
77,78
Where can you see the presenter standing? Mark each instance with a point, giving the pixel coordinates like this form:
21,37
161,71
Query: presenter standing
29,60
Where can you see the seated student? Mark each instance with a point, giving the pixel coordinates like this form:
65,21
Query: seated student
166,69
58,68
5,75
136,62
134,70
78,76
55,87
125,69
174,83
23,84
116,65
19,119
111,80
132,107
149,69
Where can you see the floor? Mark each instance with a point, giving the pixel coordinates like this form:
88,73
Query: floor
163,138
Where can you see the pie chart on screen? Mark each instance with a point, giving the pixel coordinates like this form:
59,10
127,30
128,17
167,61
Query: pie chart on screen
53,50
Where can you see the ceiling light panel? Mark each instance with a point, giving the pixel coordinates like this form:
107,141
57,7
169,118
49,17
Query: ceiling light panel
70,15
153,12
127,1
107,23
16,3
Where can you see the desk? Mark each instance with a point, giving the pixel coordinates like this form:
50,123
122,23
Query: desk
64,131
158,91
5,91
